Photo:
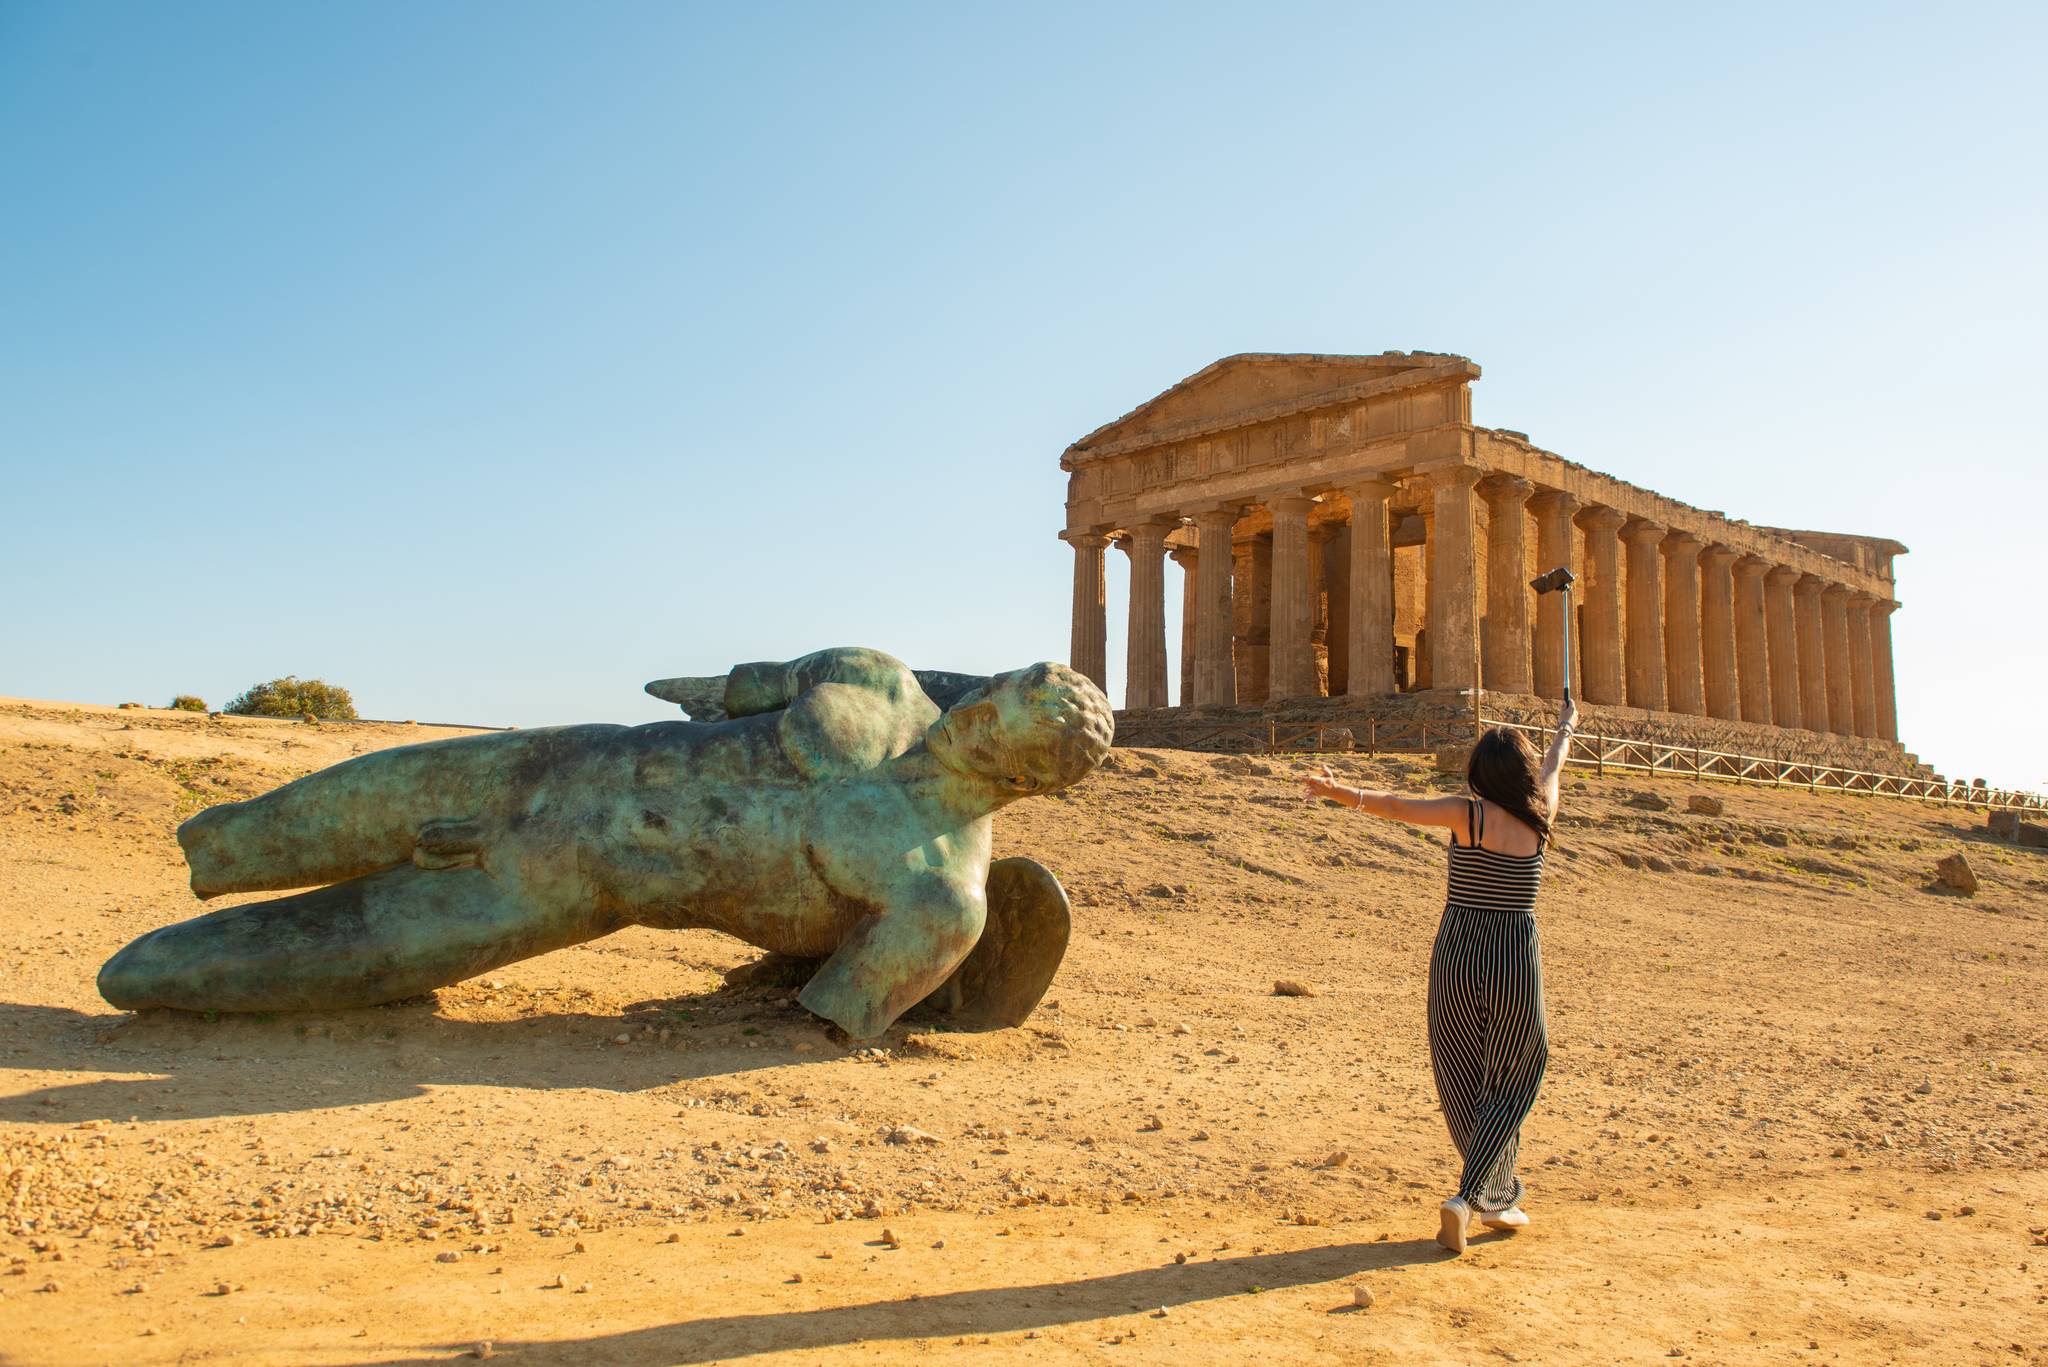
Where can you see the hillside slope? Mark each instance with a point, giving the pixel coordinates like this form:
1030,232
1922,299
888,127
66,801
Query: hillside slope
1794,1109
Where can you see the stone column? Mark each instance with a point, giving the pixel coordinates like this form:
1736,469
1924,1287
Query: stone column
1145,657
1813,681
1717,632
1371,628
1292,671
1215,677
1504,651
1780,617
1336,553
1186,557
1645,614
1090,644
1426,566
1685,687
1453,581
1553,509
1881,668
1252,561
1752,654
1862,682
1834,614
1600,668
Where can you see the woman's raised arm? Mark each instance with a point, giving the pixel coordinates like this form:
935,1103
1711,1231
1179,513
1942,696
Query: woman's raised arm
1553,762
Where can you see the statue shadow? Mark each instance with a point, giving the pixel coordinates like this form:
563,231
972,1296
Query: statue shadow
968,1314
188,1066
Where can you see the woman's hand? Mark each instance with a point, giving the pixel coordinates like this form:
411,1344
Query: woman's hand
1324,785
1568,715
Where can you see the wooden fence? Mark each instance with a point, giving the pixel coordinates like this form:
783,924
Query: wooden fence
1373,736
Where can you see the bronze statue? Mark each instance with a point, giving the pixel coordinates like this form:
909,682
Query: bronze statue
836,815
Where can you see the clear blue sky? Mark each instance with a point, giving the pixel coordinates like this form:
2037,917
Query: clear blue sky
491,359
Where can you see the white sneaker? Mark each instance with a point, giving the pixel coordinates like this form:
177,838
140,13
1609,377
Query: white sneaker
1456,1216
1511,1219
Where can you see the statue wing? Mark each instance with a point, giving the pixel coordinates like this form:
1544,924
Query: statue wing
702,697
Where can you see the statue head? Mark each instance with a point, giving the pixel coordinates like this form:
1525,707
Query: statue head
1032,730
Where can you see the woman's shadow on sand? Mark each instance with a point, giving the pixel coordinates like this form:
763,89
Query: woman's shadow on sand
184,1065
893,1323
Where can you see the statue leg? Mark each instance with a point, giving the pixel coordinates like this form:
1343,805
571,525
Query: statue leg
367,813
373,939
893,960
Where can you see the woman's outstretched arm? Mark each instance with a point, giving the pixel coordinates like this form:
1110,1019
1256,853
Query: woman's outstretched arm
1419,811
1553,762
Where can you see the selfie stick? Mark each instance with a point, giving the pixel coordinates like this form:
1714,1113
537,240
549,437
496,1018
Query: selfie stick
1560,579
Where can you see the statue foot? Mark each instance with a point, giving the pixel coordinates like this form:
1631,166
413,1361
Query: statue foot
1020,949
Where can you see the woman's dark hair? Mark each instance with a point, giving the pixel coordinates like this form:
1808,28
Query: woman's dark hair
1503,770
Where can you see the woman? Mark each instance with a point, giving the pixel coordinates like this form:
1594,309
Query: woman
1488,1042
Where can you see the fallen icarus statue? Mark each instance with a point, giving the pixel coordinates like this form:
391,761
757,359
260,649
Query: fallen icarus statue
834,814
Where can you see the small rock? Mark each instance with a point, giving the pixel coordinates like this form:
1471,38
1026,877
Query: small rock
910,1134
1362,1297
451,1256
1955,873
1699,804
1182,1029
1288,987
1926,1087
673,1239
1650,802
583,1289
889,1238
1152,1123
1339,1159
483,1349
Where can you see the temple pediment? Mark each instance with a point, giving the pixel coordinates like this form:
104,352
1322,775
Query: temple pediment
1255,386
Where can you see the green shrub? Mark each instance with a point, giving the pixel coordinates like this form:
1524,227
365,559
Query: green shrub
188,702
292,696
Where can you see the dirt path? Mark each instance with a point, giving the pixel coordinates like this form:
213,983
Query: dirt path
1778,1057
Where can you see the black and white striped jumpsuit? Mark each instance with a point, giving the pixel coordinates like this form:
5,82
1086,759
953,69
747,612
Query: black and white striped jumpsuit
1488,1041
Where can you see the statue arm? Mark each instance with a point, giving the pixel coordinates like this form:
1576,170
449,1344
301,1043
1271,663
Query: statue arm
897,957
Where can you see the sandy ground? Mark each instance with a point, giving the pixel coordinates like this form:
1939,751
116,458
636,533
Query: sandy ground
1794,1112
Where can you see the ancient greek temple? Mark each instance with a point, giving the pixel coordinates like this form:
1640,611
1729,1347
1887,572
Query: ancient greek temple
1344,531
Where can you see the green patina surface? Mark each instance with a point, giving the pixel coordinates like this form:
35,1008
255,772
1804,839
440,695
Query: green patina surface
835,814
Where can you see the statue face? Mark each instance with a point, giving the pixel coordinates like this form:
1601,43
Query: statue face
1032,730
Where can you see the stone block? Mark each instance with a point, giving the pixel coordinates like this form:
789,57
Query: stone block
2032,836
1699,804
2005,825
